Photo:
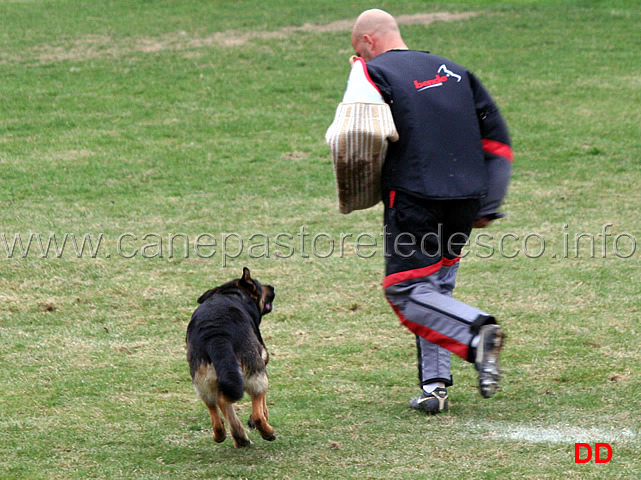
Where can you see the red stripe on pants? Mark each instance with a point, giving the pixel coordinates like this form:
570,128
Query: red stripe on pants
433,336
396,278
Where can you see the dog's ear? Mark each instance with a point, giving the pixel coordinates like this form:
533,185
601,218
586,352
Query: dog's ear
247,278
207,294
247,283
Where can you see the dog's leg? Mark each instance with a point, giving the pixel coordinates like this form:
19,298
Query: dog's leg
250,422
205,385
265,407
238,432
217,424
259,416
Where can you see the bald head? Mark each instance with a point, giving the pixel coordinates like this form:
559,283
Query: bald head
375,21
376,32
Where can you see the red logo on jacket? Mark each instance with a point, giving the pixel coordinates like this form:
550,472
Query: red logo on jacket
435,82
438,80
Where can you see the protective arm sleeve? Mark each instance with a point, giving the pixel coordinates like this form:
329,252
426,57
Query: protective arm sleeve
358,139
497,150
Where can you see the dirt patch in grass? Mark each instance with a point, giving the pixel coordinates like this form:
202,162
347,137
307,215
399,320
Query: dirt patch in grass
99,46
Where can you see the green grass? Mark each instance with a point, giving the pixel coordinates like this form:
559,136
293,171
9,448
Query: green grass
137,121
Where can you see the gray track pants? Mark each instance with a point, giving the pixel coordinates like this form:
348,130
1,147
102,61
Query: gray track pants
442,325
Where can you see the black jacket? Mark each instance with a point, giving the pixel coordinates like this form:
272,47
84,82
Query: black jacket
453,142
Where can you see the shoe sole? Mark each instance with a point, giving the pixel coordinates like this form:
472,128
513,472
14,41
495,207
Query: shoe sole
489,369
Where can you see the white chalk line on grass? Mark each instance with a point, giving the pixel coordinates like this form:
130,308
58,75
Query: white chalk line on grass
553,434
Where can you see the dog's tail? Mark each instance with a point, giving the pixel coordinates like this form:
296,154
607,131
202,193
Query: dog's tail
230,376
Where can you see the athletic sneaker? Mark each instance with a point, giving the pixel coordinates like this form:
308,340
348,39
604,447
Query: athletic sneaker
434,402
490,344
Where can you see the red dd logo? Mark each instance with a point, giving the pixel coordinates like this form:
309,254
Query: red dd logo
588,454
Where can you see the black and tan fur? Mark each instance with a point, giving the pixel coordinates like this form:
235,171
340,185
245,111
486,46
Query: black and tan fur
227,355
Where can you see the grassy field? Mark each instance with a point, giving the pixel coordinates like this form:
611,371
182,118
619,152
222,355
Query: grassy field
176,142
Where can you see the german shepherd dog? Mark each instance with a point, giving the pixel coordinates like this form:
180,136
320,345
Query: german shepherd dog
227,355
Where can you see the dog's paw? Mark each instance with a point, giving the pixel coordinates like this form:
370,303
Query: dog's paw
219,436
241,442
269,438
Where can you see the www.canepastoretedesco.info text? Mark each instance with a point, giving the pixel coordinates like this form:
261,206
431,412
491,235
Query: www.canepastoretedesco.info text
307,244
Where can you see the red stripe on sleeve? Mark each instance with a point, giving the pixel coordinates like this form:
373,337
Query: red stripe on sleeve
498,148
